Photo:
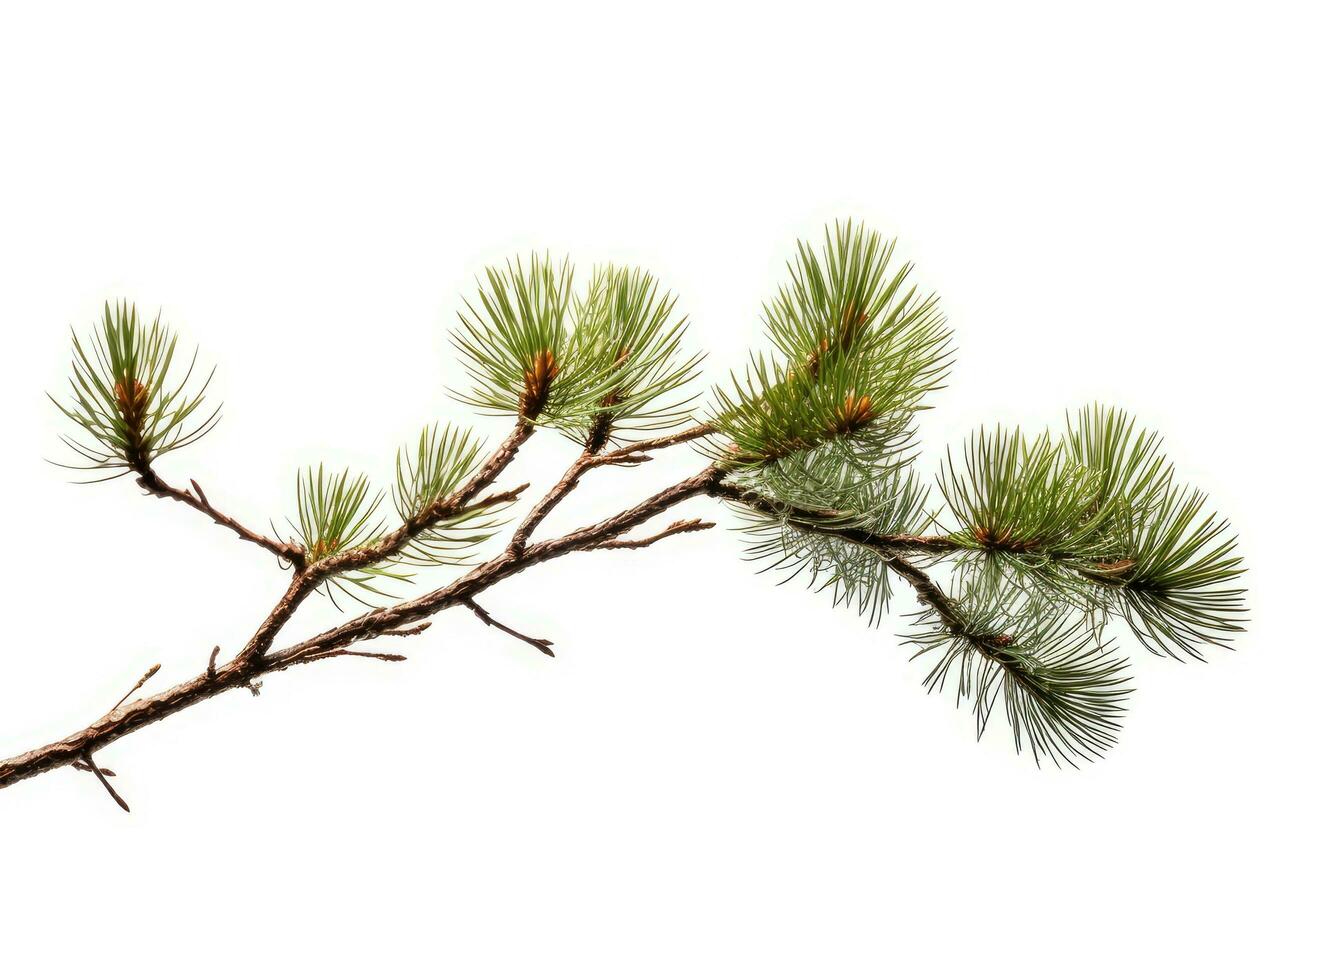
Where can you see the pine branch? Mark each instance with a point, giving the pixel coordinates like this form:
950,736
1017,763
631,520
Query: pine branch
832,523
630,454
1046,537
245,670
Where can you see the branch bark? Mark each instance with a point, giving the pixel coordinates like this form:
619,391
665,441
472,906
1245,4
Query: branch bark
245,669
257,659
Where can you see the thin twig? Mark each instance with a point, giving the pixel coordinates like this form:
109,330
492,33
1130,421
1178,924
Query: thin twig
678,527
101,777
928,591
544,646
891,547
629,459
141,681
566,484
483,576
409,630
392,657
631,454
212,662
660,442
307,579
157,487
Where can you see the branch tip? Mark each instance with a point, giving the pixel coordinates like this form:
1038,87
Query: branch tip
678,527
409,630
141,681
544,646
101,775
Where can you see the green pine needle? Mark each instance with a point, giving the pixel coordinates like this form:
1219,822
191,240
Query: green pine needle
444,459
627,332
127,399
1178,597
847,298
335,514
1062,688
1018,496
1129,469
515,344
858,356
886,501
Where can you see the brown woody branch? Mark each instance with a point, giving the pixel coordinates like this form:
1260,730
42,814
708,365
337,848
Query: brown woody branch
245,669
566,484
375,622
157,487
660,442
309,577
544,646
409,617
101,775
459,502
824,522
631,454
891,547
279,664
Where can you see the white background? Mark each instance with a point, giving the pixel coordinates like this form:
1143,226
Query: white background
716,777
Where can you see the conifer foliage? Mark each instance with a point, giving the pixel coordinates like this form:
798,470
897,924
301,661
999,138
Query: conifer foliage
1019,552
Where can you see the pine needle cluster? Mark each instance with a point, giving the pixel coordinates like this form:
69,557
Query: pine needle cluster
1046,537
443,460
591,364
857,353
128,399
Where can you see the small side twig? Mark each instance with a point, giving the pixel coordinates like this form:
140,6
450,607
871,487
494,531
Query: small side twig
243,671
660,442
541,510
391,657
212,662
141,681
620,459
409,630
82,766
544,646
678,527
101,777
157,487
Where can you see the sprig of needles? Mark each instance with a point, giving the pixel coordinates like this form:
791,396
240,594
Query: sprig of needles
127,397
